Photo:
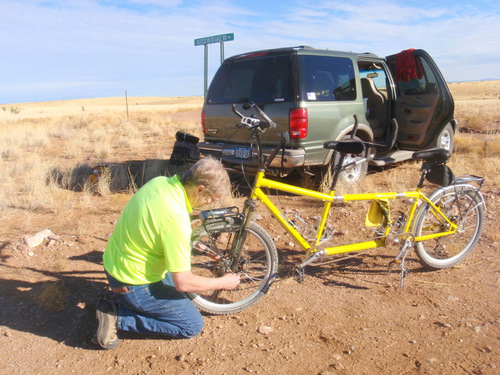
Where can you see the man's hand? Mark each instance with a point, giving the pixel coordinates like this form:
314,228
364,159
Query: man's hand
230,281
188,282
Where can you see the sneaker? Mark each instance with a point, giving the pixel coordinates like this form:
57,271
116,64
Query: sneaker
107,315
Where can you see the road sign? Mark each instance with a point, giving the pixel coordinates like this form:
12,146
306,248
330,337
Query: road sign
214,39
209,40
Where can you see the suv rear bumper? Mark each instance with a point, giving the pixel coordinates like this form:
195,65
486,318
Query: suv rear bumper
290,159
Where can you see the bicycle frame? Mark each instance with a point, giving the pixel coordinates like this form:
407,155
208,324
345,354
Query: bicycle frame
262,182
257,194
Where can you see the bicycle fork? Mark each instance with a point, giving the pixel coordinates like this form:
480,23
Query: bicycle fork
400,259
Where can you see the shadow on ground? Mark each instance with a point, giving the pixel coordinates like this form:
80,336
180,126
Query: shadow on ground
56,305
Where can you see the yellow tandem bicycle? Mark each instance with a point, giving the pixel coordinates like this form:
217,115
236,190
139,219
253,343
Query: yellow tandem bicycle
443,226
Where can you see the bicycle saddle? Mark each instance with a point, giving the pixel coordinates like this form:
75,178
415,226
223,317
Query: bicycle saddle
346,147
434,155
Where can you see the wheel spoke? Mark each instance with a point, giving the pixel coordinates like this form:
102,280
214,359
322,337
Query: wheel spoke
256,265
463,206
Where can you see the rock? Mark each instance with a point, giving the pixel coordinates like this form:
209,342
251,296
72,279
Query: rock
339,366
487,349
38,238
23,247
444,325
265,330
119,362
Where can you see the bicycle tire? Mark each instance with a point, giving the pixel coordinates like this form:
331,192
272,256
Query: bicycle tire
464,205
257,268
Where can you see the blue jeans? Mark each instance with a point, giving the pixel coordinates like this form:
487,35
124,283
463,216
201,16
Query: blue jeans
157,309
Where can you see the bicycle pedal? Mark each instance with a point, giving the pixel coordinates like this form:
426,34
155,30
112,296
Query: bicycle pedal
300,273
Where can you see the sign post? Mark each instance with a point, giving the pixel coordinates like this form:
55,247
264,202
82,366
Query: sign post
210,40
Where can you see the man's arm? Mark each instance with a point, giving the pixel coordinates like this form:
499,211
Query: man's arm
189,282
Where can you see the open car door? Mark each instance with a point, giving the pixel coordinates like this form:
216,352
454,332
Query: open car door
424,104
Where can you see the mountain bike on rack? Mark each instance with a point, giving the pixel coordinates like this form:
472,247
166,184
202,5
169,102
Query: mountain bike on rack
443,227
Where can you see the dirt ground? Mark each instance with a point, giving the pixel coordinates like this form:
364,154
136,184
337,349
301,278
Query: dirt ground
348,317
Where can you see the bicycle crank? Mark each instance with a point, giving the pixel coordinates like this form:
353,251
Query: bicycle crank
300,272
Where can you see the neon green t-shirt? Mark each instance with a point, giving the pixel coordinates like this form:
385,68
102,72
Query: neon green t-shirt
152,235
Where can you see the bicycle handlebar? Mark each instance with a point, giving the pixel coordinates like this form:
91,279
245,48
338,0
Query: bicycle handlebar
252,122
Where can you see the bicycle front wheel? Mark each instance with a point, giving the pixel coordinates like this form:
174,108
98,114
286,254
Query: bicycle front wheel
257,266
464,206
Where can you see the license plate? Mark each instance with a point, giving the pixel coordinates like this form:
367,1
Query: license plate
243,152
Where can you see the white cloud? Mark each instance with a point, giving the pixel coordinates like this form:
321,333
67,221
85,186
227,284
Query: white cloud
150,45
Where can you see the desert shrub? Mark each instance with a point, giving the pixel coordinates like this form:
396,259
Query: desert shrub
487,145
53,296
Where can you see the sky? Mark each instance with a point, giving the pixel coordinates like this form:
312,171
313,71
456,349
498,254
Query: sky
72,49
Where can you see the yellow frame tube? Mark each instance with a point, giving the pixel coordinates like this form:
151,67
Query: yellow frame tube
262,182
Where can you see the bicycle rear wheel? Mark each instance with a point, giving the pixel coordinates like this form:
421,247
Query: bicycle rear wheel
464,206
257,267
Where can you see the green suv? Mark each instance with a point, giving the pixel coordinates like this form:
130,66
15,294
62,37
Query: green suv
401,103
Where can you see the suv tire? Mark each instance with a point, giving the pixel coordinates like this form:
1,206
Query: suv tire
445,138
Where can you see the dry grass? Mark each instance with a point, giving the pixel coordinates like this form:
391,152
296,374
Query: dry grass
477,105
51,148
481,90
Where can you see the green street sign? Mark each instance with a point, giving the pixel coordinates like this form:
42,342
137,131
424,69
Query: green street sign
214,39
209,40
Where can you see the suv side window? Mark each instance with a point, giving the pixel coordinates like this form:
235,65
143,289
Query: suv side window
325,78
425,84
379,78
261,80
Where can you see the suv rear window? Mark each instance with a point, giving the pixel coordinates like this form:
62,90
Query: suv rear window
260,80
326,78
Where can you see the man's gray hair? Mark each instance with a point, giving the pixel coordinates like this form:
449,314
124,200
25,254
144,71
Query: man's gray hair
210,173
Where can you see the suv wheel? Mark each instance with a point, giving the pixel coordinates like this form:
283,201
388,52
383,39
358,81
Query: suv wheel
354,174
445,138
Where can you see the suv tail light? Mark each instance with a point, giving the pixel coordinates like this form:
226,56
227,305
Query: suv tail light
298,123
203,126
